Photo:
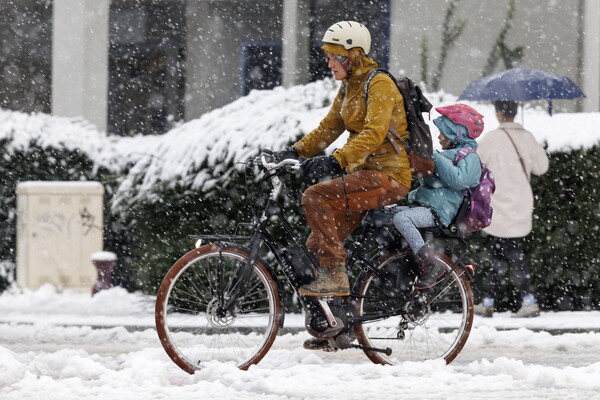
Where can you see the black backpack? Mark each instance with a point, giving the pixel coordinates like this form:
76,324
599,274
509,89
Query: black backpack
420,146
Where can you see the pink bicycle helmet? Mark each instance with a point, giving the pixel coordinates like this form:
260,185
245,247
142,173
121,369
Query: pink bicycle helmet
462,114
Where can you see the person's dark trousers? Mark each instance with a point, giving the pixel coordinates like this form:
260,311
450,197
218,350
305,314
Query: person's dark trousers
507,254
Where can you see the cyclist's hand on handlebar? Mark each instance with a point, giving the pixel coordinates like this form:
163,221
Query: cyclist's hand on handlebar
315,167
289,152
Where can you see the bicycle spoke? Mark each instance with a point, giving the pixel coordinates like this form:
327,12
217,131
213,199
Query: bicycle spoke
433,324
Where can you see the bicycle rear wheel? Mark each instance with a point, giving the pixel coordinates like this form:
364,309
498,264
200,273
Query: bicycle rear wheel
434,323
192,327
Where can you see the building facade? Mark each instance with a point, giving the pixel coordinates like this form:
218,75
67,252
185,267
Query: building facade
140,66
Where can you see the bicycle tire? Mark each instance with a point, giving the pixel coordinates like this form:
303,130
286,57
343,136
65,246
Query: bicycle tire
438,331
186,312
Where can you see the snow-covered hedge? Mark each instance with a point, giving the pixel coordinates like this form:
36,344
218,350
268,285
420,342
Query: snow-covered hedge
160,189
202,153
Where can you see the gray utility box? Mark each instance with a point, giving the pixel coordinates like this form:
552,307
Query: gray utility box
59,227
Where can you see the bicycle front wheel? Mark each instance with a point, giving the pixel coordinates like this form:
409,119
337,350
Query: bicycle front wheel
193,327
427,324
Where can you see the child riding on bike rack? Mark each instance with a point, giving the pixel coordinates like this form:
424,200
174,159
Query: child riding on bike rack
439,197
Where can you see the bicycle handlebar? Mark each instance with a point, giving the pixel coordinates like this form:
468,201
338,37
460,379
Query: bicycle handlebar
295,164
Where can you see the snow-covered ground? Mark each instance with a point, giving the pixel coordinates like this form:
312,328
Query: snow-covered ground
73,346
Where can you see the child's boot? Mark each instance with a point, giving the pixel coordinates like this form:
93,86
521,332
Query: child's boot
429,270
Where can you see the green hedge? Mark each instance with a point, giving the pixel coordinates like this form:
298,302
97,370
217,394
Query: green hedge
149,236
160,231
562,251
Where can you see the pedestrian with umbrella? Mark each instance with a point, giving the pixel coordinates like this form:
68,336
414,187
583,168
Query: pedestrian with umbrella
513,155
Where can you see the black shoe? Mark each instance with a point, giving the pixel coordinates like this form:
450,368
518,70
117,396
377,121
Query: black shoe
316,344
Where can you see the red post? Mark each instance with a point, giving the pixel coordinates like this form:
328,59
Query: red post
104,261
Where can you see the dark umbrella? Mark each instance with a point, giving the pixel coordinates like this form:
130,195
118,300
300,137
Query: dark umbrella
522,84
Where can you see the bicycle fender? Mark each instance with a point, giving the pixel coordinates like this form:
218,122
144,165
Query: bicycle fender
469,268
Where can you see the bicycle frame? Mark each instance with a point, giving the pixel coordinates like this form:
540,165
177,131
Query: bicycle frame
259,235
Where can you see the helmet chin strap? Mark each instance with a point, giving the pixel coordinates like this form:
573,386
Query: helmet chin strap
346,65
459,134
349,70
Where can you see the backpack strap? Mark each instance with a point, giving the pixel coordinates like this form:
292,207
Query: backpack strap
370,78
462,153
518,153
344,89
365,86
415,105
392,135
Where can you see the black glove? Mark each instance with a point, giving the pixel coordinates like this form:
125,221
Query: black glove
289,152
315,167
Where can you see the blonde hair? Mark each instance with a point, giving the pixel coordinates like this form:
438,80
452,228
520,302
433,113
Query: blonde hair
355,55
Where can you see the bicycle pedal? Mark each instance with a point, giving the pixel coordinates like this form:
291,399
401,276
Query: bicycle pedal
329,349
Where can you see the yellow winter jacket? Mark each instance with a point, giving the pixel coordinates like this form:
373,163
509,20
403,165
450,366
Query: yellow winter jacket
368,146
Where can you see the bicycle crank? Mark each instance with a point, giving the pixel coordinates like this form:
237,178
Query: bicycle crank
327,311
387,351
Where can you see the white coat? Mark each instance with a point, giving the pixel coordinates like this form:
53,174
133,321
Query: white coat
513,199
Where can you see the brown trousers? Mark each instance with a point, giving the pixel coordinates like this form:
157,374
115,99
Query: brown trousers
334,209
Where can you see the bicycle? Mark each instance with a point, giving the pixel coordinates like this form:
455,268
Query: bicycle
222,301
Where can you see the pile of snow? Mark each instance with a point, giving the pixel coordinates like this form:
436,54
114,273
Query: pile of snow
202,152
112,152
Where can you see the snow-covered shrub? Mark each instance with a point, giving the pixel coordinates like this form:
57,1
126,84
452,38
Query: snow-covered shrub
7,275
33,162
160,189
201,154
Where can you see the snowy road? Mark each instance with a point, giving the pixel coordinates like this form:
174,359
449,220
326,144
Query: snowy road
44,360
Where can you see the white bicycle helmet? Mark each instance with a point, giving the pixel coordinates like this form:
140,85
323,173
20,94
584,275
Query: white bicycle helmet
349,34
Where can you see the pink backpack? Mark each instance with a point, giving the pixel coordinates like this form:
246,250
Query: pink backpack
479,214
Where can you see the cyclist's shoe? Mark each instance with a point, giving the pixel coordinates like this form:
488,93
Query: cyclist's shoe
529,311
316,344
429,270
487,312
330,282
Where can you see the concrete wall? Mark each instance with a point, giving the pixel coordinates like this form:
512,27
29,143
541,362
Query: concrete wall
558,36
591,55
80,60
549,31
216,31
296,42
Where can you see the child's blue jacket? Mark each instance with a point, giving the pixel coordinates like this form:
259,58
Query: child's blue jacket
442,192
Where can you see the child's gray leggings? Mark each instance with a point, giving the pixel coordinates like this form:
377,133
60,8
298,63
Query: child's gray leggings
408,219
